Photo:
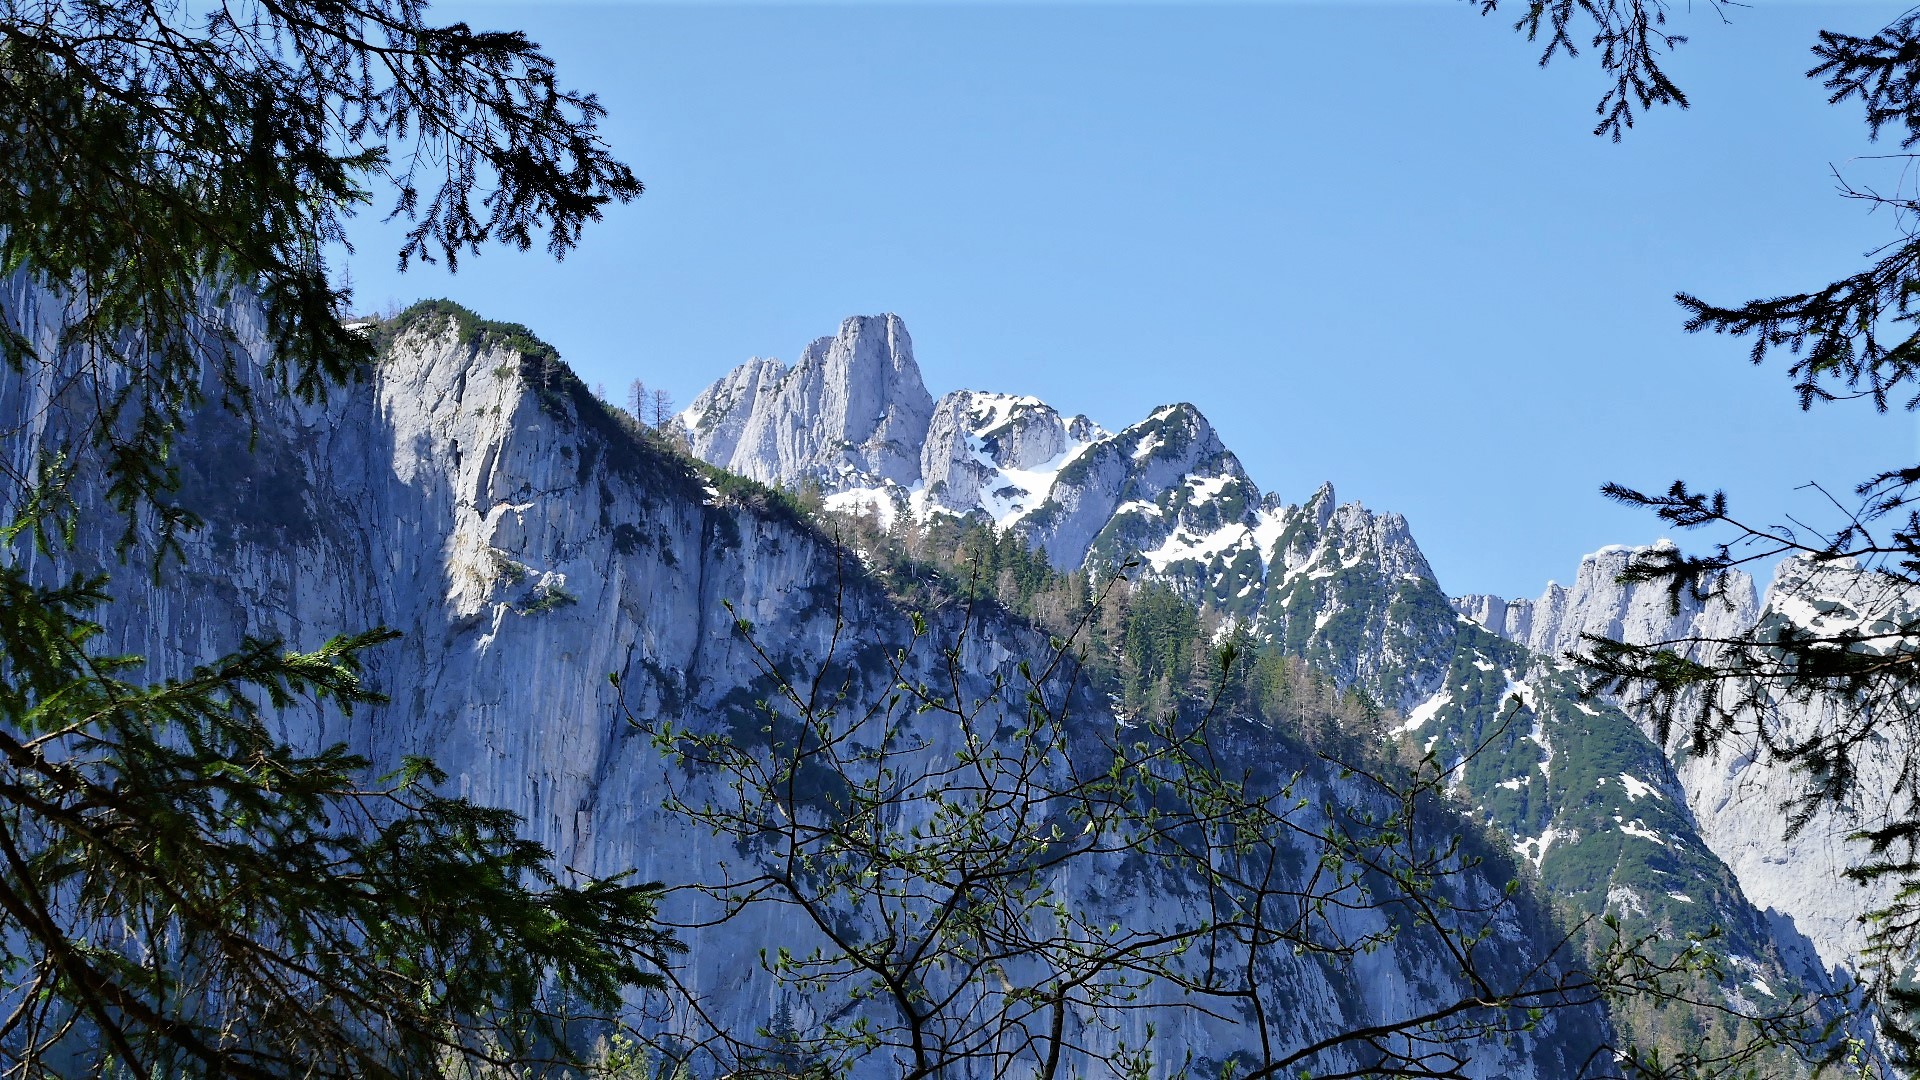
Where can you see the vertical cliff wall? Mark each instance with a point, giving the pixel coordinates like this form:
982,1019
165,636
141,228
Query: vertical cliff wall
472,495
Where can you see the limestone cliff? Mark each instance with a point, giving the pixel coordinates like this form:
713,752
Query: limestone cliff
1735,793
1586,796
474,496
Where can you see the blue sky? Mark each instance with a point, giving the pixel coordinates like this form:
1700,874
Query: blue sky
1373,242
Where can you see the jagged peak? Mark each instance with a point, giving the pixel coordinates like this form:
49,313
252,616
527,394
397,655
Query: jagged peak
1170,427
883,334
1615,552
1184,409
1321,504
852,411
987,409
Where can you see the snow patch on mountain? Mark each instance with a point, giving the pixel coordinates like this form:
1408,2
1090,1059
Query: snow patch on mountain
1425,711
1733,795
1636,788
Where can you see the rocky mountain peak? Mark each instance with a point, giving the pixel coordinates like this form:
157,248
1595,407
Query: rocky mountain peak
1164,495
528,544
853,410
1734,793
1321,504
1599,603
980,447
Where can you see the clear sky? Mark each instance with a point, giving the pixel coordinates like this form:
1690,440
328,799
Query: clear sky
1373,242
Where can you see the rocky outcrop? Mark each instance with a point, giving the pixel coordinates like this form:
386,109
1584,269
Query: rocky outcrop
1162,498
993,452
526,544
852,411
1598,604
1112,500
1348,590
1736,792
717,419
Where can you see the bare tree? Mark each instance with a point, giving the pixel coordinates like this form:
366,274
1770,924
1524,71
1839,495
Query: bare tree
935,828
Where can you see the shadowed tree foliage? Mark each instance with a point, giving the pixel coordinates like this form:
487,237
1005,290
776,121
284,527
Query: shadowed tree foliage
161,154
1629,37
181,892
1830,696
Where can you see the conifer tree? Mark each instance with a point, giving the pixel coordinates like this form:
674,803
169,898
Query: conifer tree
181,893
1819,695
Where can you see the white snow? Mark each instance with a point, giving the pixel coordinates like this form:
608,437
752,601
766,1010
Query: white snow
990,410
1424,712
1638,828
1797,610
876,501
1539,735
1535,849
1034,484
1183,545
1521,690
1267,527
1637,787
1208,488
1006,495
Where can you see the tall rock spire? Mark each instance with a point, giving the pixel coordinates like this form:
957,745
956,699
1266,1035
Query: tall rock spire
851,412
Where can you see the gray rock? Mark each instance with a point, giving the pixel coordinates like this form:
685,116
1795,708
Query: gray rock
1341,586
1125,475
851,412
1736,793
526,547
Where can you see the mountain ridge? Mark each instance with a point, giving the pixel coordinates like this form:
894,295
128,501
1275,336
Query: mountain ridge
1737,794
526,542
1348,590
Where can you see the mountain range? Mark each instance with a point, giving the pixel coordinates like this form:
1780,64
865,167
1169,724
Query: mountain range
527,540
1612,820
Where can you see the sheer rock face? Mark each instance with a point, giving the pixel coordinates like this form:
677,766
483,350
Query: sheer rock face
1736,795
727,406
1598,604
526,547
851,411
